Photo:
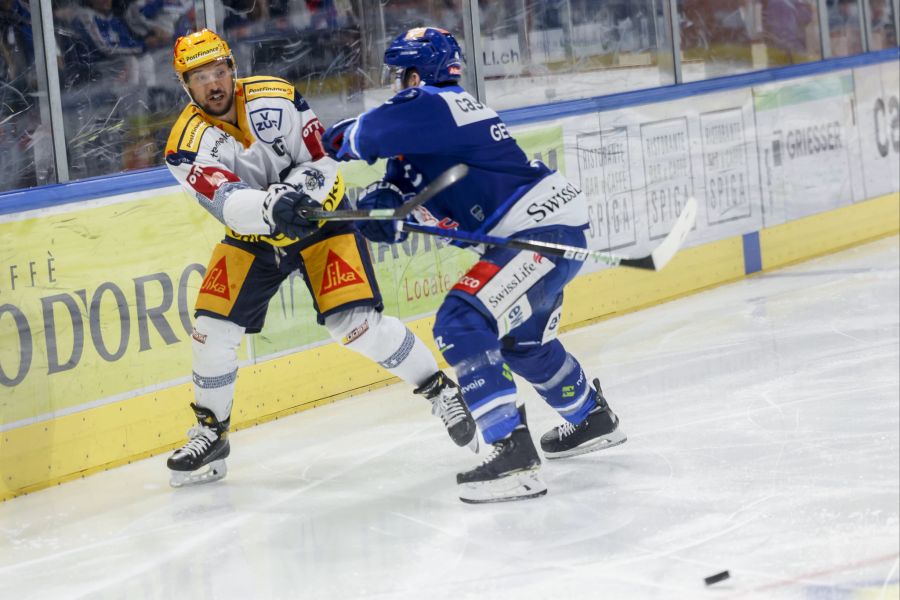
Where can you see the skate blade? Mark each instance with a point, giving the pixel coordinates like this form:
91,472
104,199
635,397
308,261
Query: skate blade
214,471
599,443
517,486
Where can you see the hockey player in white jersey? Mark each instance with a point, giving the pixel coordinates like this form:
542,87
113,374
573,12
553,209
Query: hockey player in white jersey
249,151
502,316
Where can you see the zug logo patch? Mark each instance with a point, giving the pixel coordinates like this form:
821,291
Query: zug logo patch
314,180
266,123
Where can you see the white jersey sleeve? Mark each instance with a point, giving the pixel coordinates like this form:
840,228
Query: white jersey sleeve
229,168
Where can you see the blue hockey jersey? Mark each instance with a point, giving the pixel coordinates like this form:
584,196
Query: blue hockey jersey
423,131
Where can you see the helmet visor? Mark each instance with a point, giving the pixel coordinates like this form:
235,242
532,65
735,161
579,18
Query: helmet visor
217,70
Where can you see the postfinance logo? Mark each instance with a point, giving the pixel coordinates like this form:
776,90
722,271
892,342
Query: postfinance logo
216,281
507,372
338,274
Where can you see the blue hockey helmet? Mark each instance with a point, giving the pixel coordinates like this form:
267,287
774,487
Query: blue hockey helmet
434,53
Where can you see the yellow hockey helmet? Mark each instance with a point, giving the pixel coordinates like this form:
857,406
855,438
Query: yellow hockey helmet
197,49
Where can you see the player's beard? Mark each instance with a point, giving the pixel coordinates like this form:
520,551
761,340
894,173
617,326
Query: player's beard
208,109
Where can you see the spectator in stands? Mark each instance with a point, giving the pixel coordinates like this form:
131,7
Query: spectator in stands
15,41
158,23
784,24
711,24
18,117
323,14
102,84
104,34
844,27
884,33
240,14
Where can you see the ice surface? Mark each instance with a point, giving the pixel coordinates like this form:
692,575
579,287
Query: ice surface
763,420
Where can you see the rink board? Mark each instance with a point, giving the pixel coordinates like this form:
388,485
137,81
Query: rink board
55,451
94,327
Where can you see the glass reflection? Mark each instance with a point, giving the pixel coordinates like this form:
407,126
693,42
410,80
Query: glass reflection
26,156
118,92
330,50
723,37
883,25
535,51
844,27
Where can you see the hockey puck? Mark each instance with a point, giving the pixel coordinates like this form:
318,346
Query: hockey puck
717,577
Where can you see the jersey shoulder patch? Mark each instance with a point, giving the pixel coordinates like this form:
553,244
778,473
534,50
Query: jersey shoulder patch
266,87
300,102
465,109
187,131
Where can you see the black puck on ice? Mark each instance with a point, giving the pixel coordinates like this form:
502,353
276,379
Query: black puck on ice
717,577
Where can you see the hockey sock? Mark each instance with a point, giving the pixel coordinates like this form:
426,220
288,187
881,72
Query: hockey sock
469,343
557,376
385,340
488,389
214,343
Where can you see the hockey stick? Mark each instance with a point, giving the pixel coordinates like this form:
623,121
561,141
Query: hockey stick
440,183
654,261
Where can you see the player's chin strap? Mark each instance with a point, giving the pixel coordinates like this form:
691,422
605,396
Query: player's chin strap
438,185
654,261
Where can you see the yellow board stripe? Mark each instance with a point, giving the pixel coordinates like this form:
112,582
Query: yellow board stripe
830,231
73,446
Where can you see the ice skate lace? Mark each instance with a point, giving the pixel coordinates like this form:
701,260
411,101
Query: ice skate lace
448,406
201,439
498,448
566,429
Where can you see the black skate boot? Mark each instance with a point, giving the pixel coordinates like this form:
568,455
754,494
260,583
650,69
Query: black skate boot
598,431
207,447
510,472
448,404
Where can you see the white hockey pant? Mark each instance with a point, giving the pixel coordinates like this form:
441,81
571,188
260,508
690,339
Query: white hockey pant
385,340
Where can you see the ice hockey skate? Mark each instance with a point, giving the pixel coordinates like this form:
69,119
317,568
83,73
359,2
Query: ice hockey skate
202,458
510,471
600,430
448,404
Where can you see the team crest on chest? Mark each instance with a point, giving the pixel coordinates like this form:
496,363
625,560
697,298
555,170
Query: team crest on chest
266,123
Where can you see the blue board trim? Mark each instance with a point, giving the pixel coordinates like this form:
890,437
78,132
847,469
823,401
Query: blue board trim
146,179
85,189
752,253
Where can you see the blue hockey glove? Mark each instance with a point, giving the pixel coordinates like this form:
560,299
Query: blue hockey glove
381,194
280,211
336,145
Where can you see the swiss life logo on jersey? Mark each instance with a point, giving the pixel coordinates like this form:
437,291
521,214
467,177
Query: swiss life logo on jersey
477,277
266,123
216,281
338,274
513,281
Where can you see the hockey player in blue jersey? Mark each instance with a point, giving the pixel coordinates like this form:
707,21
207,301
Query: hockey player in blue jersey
502,316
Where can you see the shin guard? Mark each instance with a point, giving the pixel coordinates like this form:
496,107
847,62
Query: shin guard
215,343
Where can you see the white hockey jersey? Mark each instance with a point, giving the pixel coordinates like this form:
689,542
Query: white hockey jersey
228,169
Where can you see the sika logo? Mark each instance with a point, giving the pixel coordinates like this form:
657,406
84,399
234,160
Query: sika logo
216,281
338,274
